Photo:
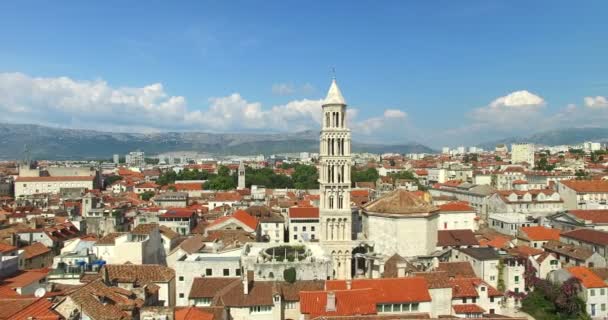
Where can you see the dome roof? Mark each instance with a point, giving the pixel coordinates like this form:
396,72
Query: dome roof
400,201
334,96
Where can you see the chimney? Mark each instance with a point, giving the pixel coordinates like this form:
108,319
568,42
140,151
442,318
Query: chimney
348,284
331,302
247,276
401,269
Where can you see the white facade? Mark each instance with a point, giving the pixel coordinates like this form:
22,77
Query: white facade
273,231
25,186
204,264
395,233
522,152
303,230
455,220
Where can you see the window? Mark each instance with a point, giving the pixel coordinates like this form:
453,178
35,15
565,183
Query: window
491,299
237,272
181,278
553,262
312,237
415,306
202,302
260,309
464,300
181,295
474,300
516,279
290,304
483,289
592,292
208,272
492,278
602,291
312,228
295,228
603,307
304,228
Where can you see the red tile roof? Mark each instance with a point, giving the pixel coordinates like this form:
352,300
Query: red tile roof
29,308
246,218
188,186
388,290
588,235
586,186
348,303
227,197
456,206
192,313
4,248
35,249
467,308
540,233
304,212
240,215
587,277
178,213
467,288
595,216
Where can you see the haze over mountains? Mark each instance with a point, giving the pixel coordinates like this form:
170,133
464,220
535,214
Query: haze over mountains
54,143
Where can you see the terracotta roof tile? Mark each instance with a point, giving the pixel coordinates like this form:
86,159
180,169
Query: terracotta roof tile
34,250
587,277
304,212
28,308
540,233
449,238
467,308
595,216
588,235
586,186
457,206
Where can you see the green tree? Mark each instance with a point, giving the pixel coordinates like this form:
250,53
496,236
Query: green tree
497,158
223,171
146,196
290,275
220,183
109,180
364,175
305,177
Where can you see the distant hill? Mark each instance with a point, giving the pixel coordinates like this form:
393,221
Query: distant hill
556,137
53,143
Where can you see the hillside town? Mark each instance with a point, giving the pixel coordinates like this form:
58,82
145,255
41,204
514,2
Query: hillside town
465,233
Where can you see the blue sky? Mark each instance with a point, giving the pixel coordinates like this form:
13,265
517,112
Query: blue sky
437,72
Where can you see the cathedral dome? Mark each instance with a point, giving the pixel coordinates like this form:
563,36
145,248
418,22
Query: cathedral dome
400,202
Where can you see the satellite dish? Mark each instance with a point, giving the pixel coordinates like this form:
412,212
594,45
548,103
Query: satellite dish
40,292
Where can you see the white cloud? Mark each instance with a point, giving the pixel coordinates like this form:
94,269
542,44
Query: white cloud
283,89
518,99
287,89
596,102
508,112
394,113
96,105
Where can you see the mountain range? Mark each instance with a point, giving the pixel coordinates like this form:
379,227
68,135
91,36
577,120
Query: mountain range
55,143
566,136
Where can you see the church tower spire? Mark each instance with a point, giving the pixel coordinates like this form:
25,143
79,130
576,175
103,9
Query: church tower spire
334,183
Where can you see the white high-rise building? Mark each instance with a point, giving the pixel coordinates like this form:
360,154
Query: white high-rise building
135,159
522,152
445,150
116,159
334,178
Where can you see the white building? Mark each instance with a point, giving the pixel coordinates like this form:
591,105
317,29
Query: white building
582,194
135,159
303,224
392,221
25,186
142,247
522,152
456,216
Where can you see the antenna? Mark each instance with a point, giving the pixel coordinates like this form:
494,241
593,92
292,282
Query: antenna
333,73
40,292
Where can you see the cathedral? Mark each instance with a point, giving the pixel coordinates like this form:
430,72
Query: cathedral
335,163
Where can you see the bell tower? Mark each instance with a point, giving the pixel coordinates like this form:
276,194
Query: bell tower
334,182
